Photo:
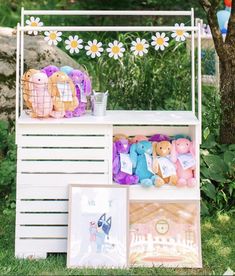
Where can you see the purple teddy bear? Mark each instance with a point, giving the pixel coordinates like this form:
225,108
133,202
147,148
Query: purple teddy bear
122,146
83,89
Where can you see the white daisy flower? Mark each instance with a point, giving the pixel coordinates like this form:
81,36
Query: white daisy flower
179,35
139,47
94,48
73,44
34,22
53,37
160,41
116,49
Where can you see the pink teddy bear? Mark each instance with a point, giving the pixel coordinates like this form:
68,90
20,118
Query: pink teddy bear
182,148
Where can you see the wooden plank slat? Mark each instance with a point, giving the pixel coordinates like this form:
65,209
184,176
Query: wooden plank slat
41,231
150,130
35,192
62,129
42,245
62,166
41,219
62,141
56,180
42,206
64,154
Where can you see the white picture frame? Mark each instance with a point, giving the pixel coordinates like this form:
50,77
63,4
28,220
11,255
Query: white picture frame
98,226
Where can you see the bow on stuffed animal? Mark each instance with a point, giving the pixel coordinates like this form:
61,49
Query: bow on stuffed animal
83,89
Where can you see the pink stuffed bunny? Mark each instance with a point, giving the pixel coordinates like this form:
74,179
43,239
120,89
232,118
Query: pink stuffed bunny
183,156
40,96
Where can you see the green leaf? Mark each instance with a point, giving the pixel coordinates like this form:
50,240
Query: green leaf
232,147
204,208
229,157
217,177
206,132
215,163
209,190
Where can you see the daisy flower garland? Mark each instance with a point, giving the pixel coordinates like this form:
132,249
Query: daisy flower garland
160,41
74,44
179,35
94,48
34,22
139,47
116,49
53,37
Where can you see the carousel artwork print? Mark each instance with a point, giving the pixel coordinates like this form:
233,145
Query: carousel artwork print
165,234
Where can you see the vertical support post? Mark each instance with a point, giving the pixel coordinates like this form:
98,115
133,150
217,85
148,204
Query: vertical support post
193,62
17,70
21,58
199,79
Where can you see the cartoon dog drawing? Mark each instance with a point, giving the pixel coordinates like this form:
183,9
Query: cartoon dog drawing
99,231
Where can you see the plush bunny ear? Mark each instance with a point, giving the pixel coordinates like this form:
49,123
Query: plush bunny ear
154,146
71,84
192,148
87,85
133,155
173,152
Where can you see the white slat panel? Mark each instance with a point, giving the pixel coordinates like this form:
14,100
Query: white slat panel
58,154
35,192
41,231
62,129
42,206
150,130
54,180
42,245
62,166
41,219
61,141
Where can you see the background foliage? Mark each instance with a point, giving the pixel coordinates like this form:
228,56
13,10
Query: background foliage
156,81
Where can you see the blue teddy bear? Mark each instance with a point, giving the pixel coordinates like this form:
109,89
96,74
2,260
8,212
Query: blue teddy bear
139,154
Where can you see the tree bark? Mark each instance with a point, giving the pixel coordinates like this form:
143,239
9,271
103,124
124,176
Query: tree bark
227,92
226,53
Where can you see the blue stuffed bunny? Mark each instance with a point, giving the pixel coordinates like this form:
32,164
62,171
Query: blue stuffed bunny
138,154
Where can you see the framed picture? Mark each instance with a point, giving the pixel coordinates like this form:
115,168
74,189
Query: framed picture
165,234
98,226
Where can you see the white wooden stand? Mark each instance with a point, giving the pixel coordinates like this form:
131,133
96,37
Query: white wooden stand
55,153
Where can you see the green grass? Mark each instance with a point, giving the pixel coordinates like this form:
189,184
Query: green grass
218,250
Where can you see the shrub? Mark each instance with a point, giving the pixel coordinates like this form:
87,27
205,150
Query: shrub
7,161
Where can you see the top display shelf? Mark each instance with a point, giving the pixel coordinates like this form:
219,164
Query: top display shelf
121,117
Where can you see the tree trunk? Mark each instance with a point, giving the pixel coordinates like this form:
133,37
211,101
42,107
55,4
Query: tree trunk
227,92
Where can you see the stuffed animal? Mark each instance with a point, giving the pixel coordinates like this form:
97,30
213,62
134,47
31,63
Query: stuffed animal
83,89
159,138
141,157
183,156
50,70
40,97
26,86
162,165
138,138
63,93
122,146
119,136
66,69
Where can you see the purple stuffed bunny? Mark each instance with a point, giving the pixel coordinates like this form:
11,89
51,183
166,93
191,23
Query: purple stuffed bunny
50,70
83,89
122,146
